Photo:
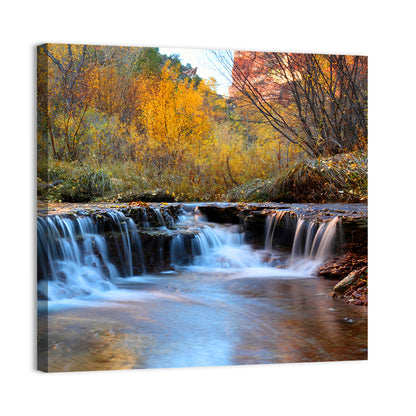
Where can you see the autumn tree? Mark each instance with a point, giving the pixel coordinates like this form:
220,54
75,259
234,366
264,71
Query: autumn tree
85,95
175,120
325,110
72,93
46,139
149,62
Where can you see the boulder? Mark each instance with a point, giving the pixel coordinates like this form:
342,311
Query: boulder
350,281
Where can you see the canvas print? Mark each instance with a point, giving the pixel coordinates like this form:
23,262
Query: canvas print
199,207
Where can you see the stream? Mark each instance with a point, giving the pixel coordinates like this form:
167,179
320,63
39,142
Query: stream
221,301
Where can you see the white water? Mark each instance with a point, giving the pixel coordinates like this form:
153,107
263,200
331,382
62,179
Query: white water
75,268
220,250
73,254
272,222
312,244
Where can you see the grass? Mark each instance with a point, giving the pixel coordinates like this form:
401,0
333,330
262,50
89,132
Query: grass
69,182
341,178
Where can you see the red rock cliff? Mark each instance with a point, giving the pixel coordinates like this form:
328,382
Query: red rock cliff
251,67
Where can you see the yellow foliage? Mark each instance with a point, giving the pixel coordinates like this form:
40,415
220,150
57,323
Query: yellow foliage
174,117
168,131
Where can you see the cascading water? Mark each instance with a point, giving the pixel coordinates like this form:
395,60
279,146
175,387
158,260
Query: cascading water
312,243
72,258
75,256
272,222
212,248
130,251
222,301
222,247
159,217
178,250
145,221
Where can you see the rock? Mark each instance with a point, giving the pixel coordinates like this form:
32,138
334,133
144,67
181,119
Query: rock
355,234
254,225
253,66
339,267
222,215
348,282
353,288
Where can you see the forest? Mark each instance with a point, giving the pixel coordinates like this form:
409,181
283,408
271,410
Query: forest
124,124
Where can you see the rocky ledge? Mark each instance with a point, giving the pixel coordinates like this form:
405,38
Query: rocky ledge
252,217
349,263
144,215
348,266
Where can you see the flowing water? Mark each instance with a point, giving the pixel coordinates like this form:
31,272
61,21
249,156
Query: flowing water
222,302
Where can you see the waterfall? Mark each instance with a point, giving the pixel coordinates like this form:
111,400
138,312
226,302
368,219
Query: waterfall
177,250
312,244
81,255
73,255
222,248
328,238
312,241
145,221
130,251
159,217
272,222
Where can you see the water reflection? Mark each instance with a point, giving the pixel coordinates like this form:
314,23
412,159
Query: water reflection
189,320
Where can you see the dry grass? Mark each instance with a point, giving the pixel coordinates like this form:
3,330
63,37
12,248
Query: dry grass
341,178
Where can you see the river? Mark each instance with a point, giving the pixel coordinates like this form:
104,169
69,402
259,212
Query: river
230,304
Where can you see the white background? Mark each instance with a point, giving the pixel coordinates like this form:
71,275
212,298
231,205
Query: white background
382,30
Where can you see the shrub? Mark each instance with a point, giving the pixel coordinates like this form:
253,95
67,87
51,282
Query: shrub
341,178
86,187
253,191
50,170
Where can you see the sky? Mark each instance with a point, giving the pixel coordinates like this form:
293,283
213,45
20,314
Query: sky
206,68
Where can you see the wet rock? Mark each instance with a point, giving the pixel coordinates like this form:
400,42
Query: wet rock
340,266
254,225
157,248
355,234
353,288
222,215
349,281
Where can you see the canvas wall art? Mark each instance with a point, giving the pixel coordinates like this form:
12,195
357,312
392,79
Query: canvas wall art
199,207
